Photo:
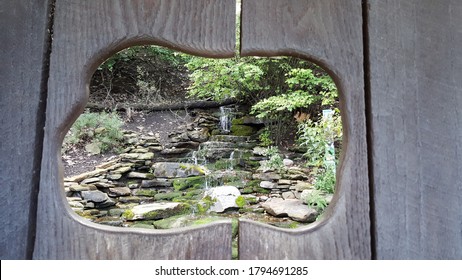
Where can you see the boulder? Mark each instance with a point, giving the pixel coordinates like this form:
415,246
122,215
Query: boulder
153,211
156,183
287,162
139,175
198,135
95,196
120,191
268,185
293,208
176,170
224,198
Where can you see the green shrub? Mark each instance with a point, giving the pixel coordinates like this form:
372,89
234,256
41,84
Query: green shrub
325,180
275,160
98,132
317,201
314,136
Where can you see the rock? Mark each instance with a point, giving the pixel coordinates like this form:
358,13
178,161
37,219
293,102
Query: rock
229,138
108,164
95,196
293,208
288,195
195,182
199,135
243,130
259,151
120,191
75,204
113,176
129,199
176,170
284,182
268,185
175,151
108,203
188,145
140,175
93,148
122,170
156,183
305,195
83,176
81,188
90,181
268,176
140,150
153,211
287,162
104,185
224,198
301,186
116,212
146,156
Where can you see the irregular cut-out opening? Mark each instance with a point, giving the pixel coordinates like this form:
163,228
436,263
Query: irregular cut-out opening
169,140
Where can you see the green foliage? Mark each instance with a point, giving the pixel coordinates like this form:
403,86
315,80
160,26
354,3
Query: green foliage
275,160
305,89
314,136
265,138
240,201
223,78
101,129
325,180
150,51
317,201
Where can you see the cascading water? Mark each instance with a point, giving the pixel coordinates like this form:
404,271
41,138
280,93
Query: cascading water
225,119
231,161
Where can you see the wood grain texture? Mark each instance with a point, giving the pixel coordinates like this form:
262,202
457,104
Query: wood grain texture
416,107
23,36
86,33
328,32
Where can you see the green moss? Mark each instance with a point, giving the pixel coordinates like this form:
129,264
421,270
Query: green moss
251,200
237,121
170,222
204,205
142,192
128,214
234,250
205,220
152,215
261,190
167,196
247,190
240,201
235,227
242,130
195,182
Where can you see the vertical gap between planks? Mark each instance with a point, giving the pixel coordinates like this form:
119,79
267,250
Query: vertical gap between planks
40,132
368,112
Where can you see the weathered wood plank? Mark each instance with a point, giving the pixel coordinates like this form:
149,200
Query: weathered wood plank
23,42
416,119
328,32
86,33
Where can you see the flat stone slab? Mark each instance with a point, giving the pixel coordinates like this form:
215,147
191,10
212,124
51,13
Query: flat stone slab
153,211
94,196
176,170
293,208
225,198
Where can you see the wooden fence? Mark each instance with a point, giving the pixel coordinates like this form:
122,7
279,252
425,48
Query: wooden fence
398,66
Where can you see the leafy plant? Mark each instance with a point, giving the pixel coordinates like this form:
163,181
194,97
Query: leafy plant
275,160
317,201
315,136
99,132
325,181
265,137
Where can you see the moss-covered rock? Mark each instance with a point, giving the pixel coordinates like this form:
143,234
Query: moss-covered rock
242,130
195,182
145,192
240,201
167,196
